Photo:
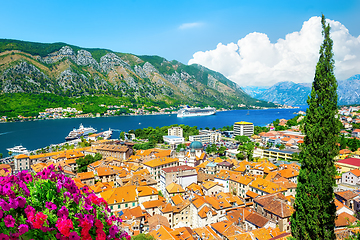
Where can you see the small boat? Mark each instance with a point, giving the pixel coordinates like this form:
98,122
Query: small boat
248,113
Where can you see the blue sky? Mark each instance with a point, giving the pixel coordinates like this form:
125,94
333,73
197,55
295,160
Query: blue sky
171,29
153,27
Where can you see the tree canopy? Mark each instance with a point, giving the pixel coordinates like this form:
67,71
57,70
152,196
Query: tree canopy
315,210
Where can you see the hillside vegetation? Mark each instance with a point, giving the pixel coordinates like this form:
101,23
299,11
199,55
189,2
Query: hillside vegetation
68,71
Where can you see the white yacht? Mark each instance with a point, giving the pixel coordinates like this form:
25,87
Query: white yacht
18,150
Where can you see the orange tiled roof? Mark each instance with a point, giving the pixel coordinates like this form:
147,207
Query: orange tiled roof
266,186
347,195
146,191
177,199
153,204
174,188
344,219
160,161
85,175
105,171
120,195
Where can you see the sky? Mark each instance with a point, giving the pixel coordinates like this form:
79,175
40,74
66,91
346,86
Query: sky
250,42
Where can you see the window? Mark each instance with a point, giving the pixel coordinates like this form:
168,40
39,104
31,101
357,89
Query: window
126,205
133,204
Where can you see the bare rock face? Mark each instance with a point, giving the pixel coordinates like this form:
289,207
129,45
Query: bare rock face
85,58
149,69
110,60
139,71
65,51
24,77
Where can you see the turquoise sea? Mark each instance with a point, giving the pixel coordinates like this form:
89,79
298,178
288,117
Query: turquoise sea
38,134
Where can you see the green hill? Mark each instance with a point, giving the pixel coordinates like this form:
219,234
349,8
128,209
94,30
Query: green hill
71,71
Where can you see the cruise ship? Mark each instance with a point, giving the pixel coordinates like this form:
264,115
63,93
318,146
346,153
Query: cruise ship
82,131
18,150
194,112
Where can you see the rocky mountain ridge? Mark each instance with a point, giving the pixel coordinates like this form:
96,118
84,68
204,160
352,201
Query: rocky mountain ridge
72,71
291,93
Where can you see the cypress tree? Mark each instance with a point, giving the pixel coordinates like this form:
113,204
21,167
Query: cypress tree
315,210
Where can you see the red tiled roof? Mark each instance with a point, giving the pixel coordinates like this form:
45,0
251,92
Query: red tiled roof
351,161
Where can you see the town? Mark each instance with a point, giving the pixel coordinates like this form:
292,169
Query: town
243,188
113,110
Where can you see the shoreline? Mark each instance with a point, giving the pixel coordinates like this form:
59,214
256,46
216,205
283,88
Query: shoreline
133,115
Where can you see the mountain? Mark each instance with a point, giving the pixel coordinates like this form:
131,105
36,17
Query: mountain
254,90
72,71
290,93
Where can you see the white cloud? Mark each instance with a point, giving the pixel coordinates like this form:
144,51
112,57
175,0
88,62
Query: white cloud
254,60
190,25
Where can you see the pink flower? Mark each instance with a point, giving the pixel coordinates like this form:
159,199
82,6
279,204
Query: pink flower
50,206
21,201
4,205
74,236
9,221
63,212
64,226
3,236
23,229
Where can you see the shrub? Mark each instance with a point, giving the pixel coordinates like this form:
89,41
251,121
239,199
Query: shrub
48,205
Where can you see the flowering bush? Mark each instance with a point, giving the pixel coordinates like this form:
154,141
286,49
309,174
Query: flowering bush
48,205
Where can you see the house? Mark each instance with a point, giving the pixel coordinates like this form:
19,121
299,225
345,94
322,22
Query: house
87,178
347,198
344,220
352,177
172,189
106,174
240,184
120,198
340,208
117,151
348,164
156,165
22,162
355,133
156,221
255,220
183,175
275,207
207,233
182,214
146,193
212,188
226,229
263,187
202,212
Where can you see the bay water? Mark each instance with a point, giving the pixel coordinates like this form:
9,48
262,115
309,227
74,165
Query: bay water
38,134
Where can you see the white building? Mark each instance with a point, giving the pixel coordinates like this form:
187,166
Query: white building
352,177
183,175
243,129
173,140
206,137
175,131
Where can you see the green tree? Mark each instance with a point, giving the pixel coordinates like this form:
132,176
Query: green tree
343,142
142,236
122,136
314,216
180,146
242,139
